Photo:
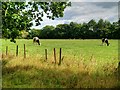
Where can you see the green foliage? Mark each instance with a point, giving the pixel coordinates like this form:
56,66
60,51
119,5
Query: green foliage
47,32
23,34
17,16
33,33
90,30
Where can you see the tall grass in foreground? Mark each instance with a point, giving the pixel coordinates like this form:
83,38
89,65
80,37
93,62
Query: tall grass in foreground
74,72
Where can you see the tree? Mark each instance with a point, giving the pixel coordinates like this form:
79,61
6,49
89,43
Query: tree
33,33
92,25
17,16
60,31
24,34
100,28
47,32
75,29
115,30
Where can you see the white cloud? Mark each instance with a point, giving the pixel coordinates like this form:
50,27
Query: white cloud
84,12
91,11
94,0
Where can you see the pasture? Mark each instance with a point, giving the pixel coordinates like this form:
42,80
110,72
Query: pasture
85,64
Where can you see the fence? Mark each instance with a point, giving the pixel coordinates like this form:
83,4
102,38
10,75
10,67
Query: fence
46,54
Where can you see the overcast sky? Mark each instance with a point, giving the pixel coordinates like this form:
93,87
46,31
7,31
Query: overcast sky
83,11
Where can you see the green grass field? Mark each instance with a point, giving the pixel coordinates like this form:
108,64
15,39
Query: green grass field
86,64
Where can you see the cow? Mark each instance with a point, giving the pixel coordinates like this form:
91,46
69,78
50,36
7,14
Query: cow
36,40
105,40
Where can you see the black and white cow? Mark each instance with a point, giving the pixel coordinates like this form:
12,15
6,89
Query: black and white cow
36,40
105,40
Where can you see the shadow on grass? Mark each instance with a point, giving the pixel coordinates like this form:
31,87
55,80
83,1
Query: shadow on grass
32,77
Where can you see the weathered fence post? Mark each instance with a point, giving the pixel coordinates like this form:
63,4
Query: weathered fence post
55,55
24,51
6,50
60,57
2,55
119,67
17,50
45,54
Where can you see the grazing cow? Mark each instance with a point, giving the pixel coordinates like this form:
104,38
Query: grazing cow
36,39
105,40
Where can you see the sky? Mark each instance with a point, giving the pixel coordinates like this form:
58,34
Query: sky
85,10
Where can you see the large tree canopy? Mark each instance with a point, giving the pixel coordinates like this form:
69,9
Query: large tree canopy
17,16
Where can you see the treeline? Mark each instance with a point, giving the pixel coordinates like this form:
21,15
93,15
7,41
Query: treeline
73,30
90,30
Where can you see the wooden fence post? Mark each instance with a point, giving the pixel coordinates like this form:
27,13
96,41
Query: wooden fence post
60,57
17,50
55,55
24,51
45,54
2,55
119,67
6,50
